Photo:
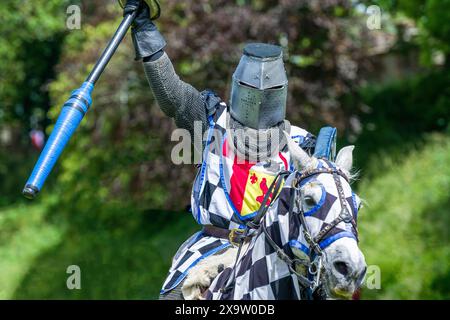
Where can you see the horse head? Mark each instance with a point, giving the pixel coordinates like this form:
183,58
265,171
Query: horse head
327,206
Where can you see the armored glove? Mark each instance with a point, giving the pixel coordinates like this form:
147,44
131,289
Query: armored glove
147,39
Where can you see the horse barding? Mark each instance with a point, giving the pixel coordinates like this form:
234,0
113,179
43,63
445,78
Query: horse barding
303,243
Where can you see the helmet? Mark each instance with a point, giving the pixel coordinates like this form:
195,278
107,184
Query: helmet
259,88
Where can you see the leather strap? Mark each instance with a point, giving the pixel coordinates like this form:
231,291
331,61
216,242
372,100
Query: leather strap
216,232
232,235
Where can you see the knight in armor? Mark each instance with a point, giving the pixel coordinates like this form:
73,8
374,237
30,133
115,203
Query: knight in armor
245,147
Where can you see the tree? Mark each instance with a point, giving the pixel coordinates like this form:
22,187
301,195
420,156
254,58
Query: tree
122,147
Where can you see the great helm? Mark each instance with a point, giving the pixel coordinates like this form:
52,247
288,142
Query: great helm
259,88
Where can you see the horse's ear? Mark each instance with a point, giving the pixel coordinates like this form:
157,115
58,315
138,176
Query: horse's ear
344,159
300,155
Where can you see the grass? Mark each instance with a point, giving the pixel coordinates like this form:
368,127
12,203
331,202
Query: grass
24,235
404,227
35,252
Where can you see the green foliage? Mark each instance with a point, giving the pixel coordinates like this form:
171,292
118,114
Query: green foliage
404,225
31,37
431,17
29,29
400,113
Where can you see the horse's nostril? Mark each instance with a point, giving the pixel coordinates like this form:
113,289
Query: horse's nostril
341,267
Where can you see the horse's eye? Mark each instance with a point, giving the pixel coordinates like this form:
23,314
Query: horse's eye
309,201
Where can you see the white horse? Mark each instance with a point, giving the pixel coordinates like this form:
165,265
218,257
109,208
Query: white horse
306,245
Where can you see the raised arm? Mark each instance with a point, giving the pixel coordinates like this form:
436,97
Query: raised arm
176,98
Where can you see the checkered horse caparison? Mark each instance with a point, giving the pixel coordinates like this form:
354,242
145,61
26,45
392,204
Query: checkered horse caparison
260,273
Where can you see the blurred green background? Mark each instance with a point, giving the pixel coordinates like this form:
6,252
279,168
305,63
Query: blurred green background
115,205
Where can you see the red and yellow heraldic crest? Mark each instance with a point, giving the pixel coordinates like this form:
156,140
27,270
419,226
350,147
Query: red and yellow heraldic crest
249,184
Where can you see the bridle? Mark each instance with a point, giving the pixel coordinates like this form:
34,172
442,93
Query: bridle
310,282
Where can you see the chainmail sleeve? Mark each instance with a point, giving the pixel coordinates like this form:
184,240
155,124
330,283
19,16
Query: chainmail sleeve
177,99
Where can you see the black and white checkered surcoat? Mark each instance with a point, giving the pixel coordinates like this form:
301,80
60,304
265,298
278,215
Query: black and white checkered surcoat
211,202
